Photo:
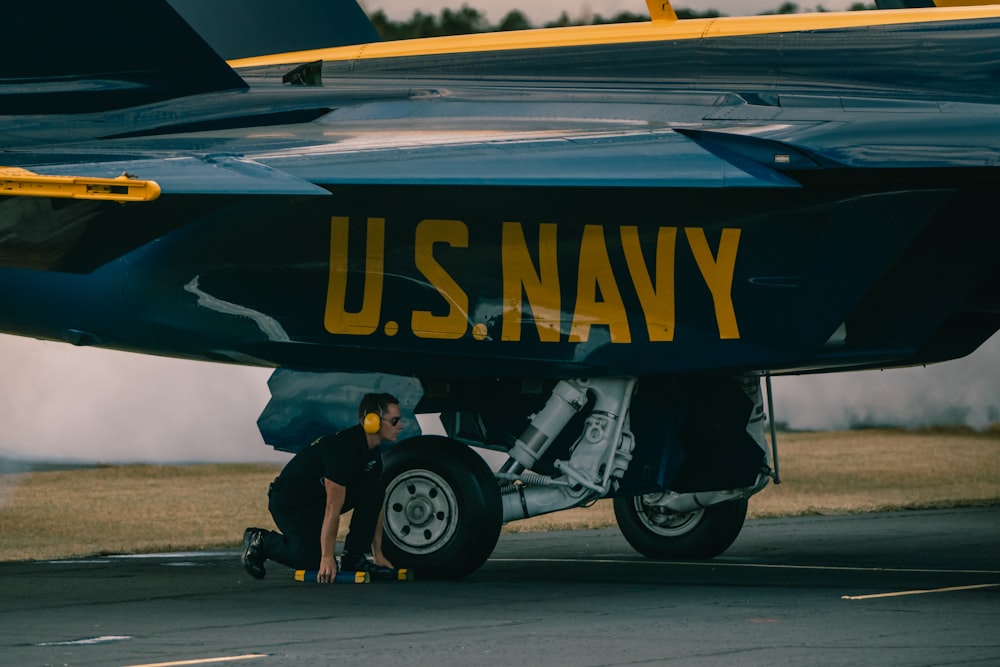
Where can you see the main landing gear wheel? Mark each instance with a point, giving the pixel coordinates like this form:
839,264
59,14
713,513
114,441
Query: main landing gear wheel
442,508
702,534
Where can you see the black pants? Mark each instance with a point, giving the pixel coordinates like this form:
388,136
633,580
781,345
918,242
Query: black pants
298,544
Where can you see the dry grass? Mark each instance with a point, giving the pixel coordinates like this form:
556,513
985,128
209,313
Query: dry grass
144,508
131,509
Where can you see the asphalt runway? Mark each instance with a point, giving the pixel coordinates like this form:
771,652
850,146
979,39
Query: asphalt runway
902,588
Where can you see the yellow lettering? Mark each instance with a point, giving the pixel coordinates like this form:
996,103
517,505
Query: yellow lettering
366,320
718,274
520,278
424,323
657,302
595,276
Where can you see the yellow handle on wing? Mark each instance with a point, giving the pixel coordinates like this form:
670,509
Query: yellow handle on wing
17,182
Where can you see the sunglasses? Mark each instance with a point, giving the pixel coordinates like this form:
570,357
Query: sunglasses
394,421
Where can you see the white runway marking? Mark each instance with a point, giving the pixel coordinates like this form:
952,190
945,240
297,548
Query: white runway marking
917,592
837,568
718,564
89,640
203,661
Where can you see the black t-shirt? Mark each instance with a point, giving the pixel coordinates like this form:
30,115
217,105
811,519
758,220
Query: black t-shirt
344,458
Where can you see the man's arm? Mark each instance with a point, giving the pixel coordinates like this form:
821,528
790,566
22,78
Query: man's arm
335,495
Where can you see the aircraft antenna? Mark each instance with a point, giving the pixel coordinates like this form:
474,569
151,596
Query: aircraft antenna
661,10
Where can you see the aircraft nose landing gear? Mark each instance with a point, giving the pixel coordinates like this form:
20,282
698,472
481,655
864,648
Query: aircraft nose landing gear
442,508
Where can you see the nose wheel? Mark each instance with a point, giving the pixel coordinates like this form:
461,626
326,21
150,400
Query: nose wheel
442,508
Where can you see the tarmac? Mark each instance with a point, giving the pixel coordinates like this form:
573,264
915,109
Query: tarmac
899,588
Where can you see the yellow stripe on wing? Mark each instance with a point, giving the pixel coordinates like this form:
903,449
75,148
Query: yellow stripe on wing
964,3
621,33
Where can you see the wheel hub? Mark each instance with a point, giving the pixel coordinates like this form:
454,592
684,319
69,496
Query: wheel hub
661,520
421,511
418,511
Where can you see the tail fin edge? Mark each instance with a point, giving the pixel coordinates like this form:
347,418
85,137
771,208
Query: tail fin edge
75,57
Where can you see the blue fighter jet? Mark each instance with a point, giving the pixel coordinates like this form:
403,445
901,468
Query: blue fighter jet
584,248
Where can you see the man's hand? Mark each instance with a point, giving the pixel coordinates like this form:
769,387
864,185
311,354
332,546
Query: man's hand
327,570
379,559
335,494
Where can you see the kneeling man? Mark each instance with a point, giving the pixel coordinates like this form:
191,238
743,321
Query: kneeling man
335,474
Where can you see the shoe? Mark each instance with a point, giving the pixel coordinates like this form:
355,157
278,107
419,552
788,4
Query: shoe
361,563
253,552
353,562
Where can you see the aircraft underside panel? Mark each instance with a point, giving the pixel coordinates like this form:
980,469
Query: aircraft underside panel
783,201
592,281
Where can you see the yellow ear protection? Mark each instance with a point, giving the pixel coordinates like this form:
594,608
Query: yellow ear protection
372,423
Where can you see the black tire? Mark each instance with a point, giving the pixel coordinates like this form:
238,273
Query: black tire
443,511
702,534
